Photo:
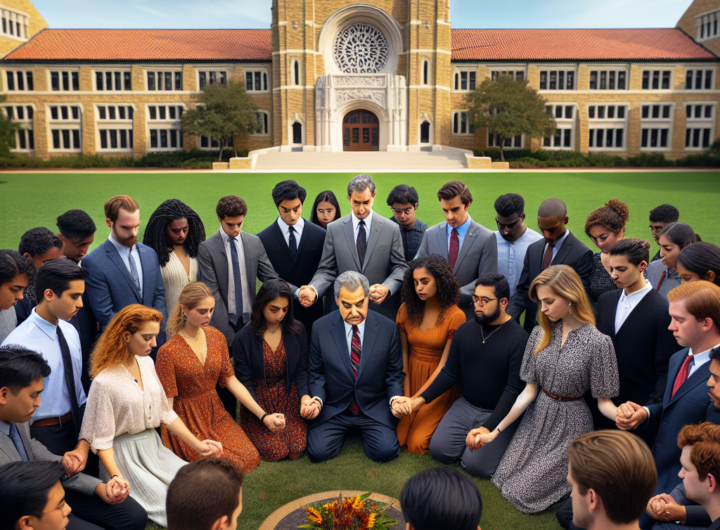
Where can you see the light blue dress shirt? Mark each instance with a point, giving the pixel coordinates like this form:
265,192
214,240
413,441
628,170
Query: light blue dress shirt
126,254
462,231
39,335
511,256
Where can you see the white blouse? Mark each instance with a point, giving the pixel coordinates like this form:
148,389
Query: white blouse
175,279
117,405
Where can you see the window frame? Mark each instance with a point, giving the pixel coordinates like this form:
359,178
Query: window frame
264,79
658,123
164,70
49,75
700,123
17,19
104,72
548,70
65,124
471,72
707,77
709,20
625,69
25,82
27,123
165,124
267,123
563,124
207,71
651,71
496,71
117,124
607,123
470,127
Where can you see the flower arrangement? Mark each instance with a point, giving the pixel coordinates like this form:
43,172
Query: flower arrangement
350,513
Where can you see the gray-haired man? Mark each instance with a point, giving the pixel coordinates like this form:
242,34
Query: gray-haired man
356,374
365,242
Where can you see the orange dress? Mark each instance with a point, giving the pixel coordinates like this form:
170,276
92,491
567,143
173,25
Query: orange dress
196,401
425,350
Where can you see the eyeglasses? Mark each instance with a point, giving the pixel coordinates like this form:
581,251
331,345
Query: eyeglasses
510,226
482,301
406,211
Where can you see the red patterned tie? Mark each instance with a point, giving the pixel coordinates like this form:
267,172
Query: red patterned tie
682,375
454,248
661,280
355,361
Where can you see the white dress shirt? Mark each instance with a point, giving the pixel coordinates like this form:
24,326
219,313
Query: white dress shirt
127,253
627,303
349,336
285,229
356,226
247,307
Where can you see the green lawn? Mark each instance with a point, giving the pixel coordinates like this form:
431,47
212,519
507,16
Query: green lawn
29,200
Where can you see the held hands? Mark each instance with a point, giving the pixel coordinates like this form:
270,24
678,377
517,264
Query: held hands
378,293
309,409
274,422
114,492
306,296
477,438
664,508
401,407
74,461
209,448
630,415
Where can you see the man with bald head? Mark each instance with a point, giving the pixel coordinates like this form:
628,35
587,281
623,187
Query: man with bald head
558,247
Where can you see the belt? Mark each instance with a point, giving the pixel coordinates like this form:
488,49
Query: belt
558,398
62,420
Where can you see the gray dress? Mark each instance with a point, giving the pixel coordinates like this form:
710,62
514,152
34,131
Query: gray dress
532,474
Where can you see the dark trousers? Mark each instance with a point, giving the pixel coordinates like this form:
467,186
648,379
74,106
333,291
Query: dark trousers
59,439
325,441
91,513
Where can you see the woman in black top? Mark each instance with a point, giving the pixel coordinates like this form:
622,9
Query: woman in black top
605,226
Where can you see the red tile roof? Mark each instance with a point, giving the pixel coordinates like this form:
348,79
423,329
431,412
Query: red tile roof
574,44
146,45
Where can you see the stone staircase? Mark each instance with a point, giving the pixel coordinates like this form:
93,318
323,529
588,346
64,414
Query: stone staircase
361,161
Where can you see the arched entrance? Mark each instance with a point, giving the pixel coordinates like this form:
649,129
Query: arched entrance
361,131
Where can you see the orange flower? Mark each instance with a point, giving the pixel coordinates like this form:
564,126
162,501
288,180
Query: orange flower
358,504
314,515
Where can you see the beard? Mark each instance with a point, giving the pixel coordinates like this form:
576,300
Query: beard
487,318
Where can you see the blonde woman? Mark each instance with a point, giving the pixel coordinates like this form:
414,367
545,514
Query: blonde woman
190,365
565,357
126,404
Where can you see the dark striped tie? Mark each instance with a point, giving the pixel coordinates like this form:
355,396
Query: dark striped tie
355,361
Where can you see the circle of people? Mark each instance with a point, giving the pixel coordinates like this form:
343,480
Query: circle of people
408,334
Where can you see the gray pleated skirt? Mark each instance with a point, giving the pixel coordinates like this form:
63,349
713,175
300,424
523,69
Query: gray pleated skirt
149,467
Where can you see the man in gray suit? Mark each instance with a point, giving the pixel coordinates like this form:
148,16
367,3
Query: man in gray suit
363,242
94,503
469,247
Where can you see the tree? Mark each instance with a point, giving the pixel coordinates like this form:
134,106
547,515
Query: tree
509,107
222,111
7,132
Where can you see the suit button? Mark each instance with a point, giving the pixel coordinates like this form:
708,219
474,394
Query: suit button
664,423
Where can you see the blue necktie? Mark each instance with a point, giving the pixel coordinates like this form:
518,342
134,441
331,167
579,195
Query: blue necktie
238,282
15,437
293,242
134,273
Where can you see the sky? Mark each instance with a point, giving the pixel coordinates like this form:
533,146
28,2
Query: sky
242,14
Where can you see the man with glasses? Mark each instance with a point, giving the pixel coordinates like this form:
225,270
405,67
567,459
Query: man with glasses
485,358
513,237
403,200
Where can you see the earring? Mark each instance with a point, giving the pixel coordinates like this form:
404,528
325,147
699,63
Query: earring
570,307
184,318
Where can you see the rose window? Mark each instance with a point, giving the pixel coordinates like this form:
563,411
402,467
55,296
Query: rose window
361,49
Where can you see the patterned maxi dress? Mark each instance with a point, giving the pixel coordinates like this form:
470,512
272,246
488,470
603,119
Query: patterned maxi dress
532,474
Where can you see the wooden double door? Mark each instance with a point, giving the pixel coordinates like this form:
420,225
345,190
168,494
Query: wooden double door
361,131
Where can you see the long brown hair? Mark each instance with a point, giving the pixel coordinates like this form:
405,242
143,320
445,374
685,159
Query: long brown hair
565,282
111,350
192,294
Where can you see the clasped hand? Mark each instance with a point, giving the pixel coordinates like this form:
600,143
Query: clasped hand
664,508
210,448
74,461
274,422
630,415
115,491
477,438
309,409
401,407
378,293
306,296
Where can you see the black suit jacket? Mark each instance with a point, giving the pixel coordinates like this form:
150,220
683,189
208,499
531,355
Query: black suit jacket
298,271
573,253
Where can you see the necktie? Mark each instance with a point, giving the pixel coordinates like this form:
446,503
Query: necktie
293,242
238,281
355,362
682,375
361,242
15,437
661,280
70,380
547,258
454,249
134,273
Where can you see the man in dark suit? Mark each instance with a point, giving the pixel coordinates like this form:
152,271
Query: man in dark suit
364,242
121,271
356,376
558,247
294,246
94,503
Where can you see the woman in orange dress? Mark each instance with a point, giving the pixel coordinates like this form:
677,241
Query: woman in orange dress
190,365
428,319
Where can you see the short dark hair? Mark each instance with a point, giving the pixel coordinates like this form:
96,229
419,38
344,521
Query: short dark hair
635,250
665,213
19,367
12,264
680,234
510,203
325,196
24,489
203,492
701,258
76,225
453,189
497,280
403,194
441,498
715,354
38,241
269,291
230,206
288,190
56,275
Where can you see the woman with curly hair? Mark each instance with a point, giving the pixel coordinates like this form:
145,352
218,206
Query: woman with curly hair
175,232
428,319
605,226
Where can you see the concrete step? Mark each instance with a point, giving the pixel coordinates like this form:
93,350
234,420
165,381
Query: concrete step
361,161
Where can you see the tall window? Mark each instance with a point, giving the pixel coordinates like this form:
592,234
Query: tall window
608,124
296,72
22,115
65,127
115,127
462,123
707,25
165,127
166,81
699,125
608,79
256,81
699,80
655,127
515,74
113,80
564,134
656,79
19,80
14,24
465,80
262,119
425,72
64,81
557,79
212,77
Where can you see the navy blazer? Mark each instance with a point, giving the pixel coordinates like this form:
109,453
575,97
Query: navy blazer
110,287
381,375
249,359
690,405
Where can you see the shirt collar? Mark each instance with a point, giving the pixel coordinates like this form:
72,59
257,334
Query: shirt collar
226,238
361,328
122,249
286,227
563,238
702,357
637,294
356,221
462,229
5,428
46,327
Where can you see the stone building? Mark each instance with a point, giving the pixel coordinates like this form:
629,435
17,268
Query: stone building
388,75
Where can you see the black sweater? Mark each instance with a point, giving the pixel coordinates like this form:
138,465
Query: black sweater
489,374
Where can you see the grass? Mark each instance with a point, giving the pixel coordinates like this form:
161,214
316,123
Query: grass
28,200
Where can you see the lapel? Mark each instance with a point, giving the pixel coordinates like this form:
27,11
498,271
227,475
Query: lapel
280,240
700,377
217,245
350,236
469,240
338,334
564,250
303,239
8,447
639,310
441,237
373,238
369,337
148,288
611,312
115,258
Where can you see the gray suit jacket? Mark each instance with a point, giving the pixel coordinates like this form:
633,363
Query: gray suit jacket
213,272
384,260
81,482
477,256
